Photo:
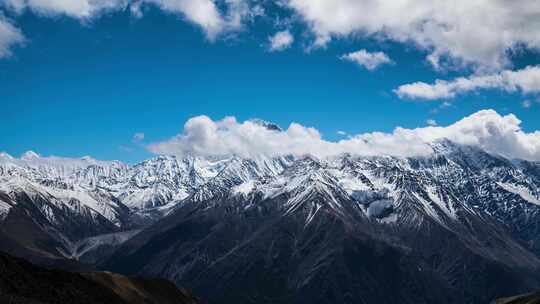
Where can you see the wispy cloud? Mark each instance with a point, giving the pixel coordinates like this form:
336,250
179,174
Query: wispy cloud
82,9
280,41
368,60
527,103
138,137
10,36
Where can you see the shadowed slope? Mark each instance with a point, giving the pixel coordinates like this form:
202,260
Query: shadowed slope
530,298
23,282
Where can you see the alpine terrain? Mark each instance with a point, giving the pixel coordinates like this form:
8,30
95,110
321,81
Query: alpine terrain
458,226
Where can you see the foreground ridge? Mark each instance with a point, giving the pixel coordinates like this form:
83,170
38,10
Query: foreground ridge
23,282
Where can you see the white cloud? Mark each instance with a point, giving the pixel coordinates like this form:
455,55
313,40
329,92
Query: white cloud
280,41
204,13
201,12
74,8
136,9
490,131
9,37
487,129
138,137
527,103
431,122
366,59
525,81
478,32
214,19
341,133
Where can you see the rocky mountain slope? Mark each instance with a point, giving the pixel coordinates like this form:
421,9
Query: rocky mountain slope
460,226
54,204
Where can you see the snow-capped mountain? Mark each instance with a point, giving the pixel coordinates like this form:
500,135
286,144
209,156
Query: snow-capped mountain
442,219
461,226
101,197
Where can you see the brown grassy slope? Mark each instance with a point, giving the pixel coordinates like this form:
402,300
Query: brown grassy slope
136,290
23,282
531,298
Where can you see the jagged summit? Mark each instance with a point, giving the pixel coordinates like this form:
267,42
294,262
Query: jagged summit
268,125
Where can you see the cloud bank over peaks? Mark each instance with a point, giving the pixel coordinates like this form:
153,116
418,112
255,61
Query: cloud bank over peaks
486,129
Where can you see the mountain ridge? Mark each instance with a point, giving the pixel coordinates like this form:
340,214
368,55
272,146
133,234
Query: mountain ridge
445,219
23,282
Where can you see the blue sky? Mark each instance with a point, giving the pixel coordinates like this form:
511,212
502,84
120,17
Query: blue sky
85,87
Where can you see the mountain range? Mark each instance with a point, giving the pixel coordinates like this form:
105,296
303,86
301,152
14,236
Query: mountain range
458,226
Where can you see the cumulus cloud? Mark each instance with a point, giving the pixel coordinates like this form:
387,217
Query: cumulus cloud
368,60
280,41
203,13
214,19
203,136
477,32
525,81
487,129
9,37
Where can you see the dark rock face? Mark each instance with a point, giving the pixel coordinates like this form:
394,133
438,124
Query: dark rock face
23,282
27,225
265,255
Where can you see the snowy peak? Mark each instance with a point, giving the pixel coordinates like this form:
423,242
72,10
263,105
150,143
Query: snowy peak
30,156
454,183
239,175
6,157
469,156
34,166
